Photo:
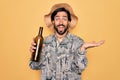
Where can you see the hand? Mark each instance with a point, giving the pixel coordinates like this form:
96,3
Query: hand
33,46
91,44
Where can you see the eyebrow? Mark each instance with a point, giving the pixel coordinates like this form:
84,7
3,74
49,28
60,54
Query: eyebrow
59,16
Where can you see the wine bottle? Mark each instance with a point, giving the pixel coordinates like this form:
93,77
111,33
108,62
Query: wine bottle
36,56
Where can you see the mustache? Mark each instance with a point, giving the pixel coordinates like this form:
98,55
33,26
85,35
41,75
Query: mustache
60,25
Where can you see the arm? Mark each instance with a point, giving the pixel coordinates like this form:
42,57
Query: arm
36,65
80,62
80,59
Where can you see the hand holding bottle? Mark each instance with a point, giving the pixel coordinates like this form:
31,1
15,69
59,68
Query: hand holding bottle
33,46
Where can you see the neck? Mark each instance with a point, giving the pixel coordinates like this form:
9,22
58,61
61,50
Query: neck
61,37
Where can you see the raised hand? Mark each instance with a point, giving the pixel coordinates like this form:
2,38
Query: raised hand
91,44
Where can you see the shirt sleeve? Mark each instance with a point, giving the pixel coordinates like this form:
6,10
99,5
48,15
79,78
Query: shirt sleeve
38,65
80,59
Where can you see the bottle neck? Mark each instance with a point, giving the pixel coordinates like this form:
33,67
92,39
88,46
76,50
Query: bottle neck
40,31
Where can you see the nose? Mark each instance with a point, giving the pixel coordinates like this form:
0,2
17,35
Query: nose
61,21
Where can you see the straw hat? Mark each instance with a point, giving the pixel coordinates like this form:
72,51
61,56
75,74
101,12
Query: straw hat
74,18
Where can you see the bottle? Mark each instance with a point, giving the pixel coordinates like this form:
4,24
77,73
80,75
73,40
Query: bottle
36,56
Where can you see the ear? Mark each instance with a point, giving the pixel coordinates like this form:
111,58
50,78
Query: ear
69,23
53,22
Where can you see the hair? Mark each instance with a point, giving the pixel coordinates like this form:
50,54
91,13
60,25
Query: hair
60,10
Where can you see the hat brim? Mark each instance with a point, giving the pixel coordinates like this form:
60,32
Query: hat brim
74,19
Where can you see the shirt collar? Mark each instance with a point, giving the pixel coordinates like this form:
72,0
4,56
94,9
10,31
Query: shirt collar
65,40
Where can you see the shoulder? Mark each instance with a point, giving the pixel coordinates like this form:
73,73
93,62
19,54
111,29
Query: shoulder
76,38
77,41
49,38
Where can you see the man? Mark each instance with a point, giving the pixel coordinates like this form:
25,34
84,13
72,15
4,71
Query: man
63,54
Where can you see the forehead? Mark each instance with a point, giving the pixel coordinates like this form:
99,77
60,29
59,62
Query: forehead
61,13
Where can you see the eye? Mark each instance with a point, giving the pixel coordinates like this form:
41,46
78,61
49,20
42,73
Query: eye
57,18
65,18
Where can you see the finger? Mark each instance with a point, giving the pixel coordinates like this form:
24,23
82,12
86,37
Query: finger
31,50
33,43
101,42
93,42
33,47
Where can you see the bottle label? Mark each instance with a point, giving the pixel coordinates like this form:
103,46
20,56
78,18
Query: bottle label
36,53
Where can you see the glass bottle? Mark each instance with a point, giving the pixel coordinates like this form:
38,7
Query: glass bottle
36,55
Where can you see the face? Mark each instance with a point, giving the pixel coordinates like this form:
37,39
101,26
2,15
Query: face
61,23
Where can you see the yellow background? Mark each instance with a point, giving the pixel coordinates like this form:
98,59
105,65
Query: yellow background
98,20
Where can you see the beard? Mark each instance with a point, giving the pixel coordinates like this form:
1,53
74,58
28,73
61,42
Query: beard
61,32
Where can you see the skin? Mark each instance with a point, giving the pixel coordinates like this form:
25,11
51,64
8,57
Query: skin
61,23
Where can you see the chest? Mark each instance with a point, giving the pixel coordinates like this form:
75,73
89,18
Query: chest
59,48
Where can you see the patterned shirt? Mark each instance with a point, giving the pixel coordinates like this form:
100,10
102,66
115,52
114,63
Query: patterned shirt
61,60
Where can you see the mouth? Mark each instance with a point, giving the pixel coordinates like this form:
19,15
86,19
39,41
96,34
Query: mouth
61,28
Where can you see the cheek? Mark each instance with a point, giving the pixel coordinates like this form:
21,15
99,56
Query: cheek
55,23
65,23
